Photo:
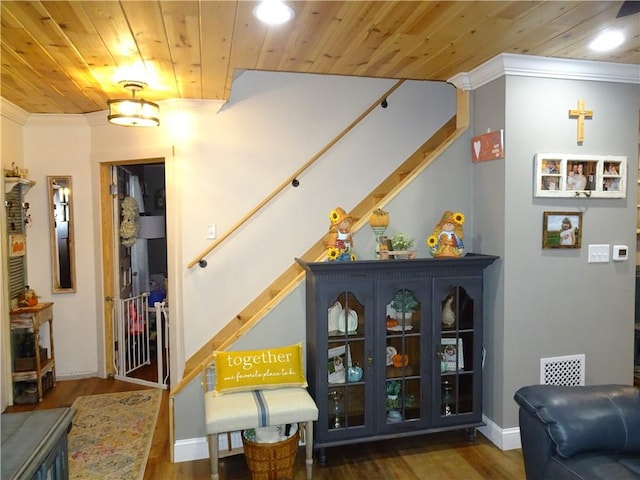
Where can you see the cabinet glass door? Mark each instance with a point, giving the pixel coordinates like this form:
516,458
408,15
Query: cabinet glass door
403,304
346,361
457,391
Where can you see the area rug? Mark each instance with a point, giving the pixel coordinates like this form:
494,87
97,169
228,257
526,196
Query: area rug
111,435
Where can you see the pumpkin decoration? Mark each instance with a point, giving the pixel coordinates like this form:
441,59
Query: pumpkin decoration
391,322
379,218
400,360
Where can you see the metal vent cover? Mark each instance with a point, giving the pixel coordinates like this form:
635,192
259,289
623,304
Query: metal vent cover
568,370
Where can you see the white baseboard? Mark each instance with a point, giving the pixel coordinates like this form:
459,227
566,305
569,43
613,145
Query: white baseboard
503,438
190,449
76,376
197,448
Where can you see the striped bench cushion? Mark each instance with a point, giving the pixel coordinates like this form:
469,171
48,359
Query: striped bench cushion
258,408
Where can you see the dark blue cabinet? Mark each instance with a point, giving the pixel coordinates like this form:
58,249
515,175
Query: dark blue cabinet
394,347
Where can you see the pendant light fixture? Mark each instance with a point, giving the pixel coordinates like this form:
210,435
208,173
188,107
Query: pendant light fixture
133,112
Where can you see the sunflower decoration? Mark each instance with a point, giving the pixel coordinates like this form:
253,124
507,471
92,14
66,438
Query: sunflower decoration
335,215
332,253
447,235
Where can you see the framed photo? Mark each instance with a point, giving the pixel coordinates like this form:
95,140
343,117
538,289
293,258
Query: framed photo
453,354
339,359
562,230
17,245
569,175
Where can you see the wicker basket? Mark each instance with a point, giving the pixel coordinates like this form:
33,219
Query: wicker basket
271,461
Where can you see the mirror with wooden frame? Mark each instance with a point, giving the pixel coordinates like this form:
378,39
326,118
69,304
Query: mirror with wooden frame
61,227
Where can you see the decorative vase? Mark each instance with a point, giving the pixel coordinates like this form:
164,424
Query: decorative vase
336,407
448,316
393,414
354,373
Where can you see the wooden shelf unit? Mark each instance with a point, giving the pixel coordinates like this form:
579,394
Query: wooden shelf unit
33,319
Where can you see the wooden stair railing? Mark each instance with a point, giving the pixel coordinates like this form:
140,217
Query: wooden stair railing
291,278
293,177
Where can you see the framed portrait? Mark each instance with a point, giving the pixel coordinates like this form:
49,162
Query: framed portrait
339,360
453,354
562,230
586,176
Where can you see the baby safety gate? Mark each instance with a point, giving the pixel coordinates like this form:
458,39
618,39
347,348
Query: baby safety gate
136,334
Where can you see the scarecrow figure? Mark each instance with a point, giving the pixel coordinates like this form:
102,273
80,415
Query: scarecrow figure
340,241
446,238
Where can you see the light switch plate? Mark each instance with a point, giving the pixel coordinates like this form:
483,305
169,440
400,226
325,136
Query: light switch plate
598,253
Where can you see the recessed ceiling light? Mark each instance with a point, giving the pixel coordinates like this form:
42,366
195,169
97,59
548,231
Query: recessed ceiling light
607,40
273,12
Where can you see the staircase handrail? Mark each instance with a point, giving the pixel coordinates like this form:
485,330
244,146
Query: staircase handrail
292,178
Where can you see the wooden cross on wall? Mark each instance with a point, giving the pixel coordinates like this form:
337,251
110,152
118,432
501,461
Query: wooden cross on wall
580,113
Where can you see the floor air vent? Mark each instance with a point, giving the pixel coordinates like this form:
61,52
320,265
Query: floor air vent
567,370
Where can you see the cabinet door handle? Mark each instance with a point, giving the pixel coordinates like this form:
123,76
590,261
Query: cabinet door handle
369,359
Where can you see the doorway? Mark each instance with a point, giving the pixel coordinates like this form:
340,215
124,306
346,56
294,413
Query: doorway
135,271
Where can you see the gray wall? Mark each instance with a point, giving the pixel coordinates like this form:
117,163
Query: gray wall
445,185
488,106
540,302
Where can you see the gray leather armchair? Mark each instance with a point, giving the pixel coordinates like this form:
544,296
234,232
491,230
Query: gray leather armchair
572,433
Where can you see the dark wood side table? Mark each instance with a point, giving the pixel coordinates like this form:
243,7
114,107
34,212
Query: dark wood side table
34,444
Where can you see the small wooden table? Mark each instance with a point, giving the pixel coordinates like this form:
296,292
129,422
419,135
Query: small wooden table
33,318
34,444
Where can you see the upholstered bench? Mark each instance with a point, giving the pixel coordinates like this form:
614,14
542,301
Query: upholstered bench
257,388
259,408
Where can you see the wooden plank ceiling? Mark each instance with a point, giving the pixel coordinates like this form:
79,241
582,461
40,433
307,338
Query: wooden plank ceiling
67,56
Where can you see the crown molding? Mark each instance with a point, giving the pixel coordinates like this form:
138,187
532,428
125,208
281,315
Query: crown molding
94,119
546,67
55,119
13,112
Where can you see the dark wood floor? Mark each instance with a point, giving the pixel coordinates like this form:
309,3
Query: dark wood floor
439,456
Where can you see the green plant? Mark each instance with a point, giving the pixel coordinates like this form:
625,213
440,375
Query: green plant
396,403
400,241
404,301
393,387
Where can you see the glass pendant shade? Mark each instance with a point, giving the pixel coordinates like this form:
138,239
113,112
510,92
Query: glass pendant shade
133,112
